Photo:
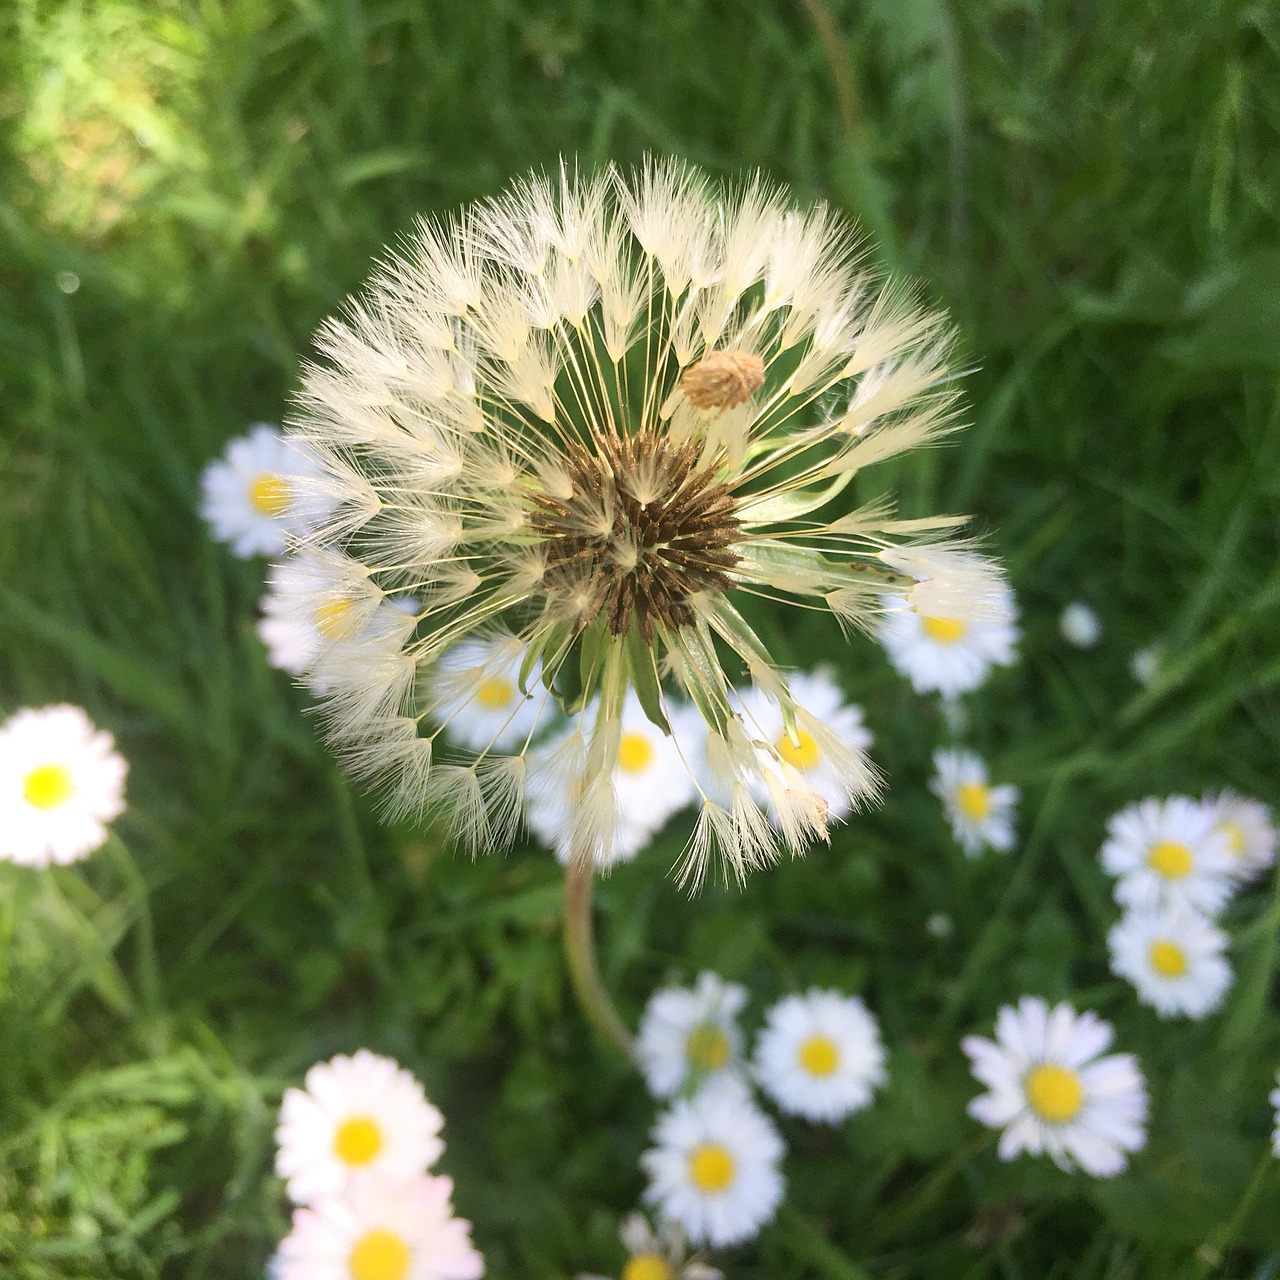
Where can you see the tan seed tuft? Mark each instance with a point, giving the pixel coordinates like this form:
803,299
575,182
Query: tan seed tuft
723,380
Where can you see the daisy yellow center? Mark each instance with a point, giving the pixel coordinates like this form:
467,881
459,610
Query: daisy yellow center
944,630
819,1056
1055,1093
379,1255
707,1047
635,753
333,618
974,800
47,786
1167,958
496,693
1170,859
647,1266
1234,834
711,1167
802,754
269,494
357,1141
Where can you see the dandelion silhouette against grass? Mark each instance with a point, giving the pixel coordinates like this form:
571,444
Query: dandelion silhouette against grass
592,415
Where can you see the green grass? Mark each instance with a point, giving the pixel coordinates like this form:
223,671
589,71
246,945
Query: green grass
1093,193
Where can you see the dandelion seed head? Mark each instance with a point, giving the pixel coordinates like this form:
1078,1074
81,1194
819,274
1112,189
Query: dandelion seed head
596,414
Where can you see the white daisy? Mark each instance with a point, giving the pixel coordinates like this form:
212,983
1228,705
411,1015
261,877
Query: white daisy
1052,1093
981,816
475,694
1275,1102
658,1255
61,782
689,1037
810,769
315,608
952,653
1080,625
359,1117
1250,831
714,1168
1174,958
819,1055
1167,851
649,782
262,491
382,1229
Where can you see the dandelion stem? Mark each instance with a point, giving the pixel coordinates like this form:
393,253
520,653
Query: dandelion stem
580,949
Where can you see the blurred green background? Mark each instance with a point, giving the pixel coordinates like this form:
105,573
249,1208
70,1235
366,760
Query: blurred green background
187,189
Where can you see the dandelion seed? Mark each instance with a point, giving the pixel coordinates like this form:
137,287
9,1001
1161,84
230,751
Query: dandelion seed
596,414
61,782
1051,1092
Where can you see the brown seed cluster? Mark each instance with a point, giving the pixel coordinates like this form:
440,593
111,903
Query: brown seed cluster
722,380
642,531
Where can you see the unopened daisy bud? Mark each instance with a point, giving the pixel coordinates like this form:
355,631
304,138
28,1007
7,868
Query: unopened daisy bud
593,414
1080,625
1051,1092
1144,666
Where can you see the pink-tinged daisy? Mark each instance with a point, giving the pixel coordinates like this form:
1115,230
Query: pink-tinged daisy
382,1229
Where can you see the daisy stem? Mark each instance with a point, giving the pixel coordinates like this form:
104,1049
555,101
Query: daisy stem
584,972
